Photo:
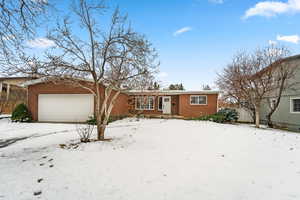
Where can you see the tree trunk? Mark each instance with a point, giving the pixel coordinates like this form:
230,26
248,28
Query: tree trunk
98,117
101,131
253,115
269,120
257,117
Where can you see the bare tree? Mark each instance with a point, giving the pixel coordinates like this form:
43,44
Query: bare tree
230,80
114,59
154,86
18,20
283,71
206,87
176,86
249,79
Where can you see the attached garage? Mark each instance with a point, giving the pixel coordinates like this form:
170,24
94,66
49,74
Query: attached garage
65,107
58,102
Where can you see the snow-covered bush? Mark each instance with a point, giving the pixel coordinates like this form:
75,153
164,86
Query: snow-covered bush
21,114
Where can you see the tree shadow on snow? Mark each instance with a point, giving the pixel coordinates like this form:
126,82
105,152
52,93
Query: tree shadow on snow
5,143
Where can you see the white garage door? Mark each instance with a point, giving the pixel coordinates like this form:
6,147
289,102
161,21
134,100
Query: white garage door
65,107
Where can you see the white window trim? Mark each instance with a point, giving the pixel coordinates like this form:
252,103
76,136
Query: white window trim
193,104
158,103
147,108
292,105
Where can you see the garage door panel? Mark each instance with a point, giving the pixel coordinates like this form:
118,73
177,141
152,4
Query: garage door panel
65,107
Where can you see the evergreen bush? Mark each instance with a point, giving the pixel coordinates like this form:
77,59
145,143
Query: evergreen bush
21,114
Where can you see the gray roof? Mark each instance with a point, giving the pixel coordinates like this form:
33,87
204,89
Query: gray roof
138,92
170,92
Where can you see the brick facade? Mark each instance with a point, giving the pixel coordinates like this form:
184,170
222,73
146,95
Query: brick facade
180,105
125,104
120,108
188,110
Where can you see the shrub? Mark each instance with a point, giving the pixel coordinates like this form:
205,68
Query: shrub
214,118
231,115
223,116
21,114
85,132
92,119
219,118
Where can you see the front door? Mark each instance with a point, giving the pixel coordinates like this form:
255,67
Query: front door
166,105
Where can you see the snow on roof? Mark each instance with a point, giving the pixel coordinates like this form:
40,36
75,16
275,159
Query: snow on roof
34,81
171,92
45,79
135,92
14,77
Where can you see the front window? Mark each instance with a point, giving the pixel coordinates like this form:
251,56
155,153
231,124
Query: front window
295,105
144,103
198,100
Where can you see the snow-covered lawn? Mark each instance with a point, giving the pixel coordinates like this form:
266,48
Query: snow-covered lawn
150,159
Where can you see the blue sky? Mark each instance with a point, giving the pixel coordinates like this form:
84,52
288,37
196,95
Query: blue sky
195,39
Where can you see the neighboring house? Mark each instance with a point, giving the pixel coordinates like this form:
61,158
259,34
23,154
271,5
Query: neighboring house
11,93
287,114
64,103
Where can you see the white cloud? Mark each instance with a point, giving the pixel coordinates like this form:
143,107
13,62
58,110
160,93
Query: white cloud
40,43
40,1
216,1
289,38
272,42
163,74
182,30
273,8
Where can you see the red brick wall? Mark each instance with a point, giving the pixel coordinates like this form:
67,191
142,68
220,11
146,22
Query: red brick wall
124,104
188,110
120,107
181,106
